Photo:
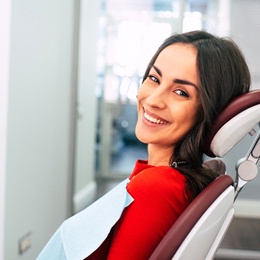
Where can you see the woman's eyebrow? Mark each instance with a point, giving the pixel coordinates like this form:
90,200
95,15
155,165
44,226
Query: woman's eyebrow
178,81
157,70
185,82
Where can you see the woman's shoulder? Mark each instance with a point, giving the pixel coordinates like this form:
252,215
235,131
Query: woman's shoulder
161,181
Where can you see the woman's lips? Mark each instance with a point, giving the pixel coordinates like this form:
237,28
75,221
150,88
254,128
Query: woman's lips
154,119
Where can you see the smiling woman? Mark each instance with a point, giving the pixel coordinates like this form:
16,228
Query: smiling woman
188,82
168,101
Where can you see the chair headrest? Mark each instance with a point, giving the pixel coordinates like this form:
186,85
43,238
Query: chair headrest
238,118
215,165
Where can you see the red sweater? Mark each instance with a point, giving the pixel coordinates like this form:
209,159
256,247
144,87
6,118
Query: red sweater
159,199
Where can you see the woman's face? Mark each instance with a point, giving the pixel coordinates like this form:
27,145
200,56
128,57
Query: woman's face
168,99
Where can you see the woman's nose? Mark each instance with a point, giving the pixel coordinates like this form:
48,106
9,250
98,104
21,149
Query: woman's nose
157,99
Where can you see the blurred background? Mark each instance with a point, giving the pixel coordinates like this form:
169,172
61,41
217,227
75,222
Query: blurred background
69,75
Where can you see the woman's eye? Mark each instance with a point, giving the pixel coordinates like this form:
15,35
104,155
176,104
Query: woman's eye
153,78
181,93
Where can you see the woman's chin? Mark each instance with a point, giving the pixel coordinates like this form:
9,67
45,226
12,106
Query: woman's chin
141,137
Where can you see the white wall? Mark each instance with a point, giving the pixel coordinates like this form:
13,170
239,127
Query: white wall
5,27
85,185
245,30
40,123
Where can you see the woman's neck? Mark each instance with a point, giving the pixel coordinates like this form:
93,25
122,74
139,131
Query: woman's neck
159,155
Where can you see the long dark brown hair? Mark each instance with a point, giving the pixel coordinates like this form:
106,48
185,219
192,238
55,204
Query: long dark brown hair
223,75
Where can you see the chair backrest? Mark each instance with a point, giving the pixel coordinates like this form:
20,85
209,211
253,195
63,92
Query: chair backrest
174,240
198,232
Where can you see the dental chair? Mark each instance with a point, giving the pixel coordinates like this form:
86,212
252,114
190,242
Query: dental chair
200,229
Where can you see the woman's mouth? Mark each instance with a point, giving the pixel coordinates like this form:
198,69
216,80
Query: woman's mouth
154,120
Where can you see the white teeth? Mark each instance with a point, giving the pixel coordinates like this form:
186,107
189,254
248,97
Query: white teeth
154,120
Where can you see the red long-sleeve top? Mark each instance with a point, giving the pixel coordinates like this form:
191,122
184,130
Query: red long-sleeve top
160,197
